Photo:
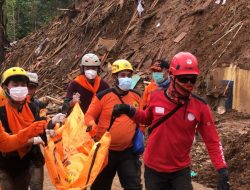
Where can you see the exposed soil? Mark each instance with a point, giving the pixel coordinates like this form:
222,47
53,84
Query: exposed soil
139,39
234,131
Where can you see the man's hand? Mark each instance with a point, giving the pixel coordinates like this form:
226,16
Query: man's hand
58,118
37,141
50,132
33,130
75,99
223,181
120,109
36,128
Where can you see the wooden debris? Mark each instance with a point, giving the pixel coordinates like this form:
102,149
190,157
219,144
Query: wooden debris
228,44
180,37
107,43
55,100
59,88
90,44
235,26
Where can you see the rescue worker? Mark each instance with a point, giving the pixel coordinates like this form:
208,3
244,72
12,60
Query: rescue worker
32,88
160,76
17,115
167,155
121,158
36,168
86,85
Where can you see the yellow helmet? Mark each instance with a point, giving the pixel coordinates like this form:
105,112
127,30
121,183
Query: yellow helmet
14,71
121,65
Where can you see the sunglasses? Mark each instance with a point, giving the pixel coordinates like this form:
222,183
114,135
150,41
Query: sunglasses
185,80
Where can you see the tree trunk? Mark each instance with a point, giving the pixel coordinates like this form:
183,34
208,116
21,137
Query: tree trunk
2,36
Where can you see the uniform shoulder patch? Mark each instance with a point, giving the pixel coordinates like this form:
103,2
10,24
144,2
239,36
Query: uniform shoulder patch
199,98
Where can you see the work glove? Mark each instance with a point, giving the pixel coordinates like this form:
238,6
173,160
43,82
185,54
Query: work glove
32,130
50,132
223,181
37,141
58,118
75,99
120,109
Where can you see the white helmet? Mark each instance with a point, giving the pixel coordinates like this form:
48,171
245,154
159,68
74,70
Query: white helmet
33,77
90,59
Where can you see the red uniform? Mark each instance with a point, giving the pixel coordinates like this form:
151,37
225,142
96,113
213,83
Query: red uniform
168,146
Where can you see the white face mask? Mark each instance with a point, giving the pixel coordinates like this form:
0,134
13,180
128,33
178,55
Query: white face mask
125,83
90,74
18,93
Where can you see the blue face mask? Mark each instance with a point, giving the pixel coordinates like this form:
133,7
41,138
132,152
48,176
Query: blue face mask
158,77
124,83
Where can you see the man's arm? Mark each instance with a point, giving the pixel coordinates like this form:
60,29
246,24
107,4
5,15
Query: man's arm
93,113
210,136
68,103
9,143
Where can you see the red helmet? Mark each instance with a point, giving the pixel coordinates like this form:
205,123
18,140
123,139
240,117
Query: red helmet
184,63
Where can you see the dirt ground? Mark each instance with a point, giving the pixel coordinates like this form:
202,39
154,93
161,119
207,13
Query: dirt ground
234,131
116,184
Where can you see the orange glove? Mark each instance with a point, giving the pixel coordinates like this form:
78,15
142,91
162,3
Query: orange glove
32,130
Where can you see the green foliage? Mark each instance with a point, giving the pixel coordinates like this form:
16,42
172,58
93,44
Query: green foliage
25,16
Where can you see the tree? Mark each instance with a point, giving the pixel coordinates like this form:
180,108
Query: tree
25,16
2,36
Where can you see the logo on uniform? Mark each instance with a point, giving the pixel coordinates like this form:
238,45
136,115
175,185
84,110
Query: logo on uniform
190,117
135,104
159,110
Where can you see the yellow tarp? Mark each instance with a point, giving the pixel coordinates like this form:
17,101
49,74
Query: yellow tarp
73,159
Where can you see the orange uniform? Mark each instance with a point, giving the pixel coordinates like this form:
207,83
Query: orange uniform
123,128
147,93
8,142
2,96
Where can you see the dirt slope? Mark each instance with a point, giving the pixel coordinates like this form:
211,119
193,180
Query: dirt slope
139,39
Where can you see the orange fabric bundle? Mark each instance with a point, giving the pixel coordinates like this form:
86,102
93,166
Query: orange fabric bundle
73,159
82,80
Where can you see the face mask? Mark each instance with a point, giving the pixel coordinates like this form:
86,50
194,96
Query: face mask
158,77
124,83
90,74
165,83
183,89
18,93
